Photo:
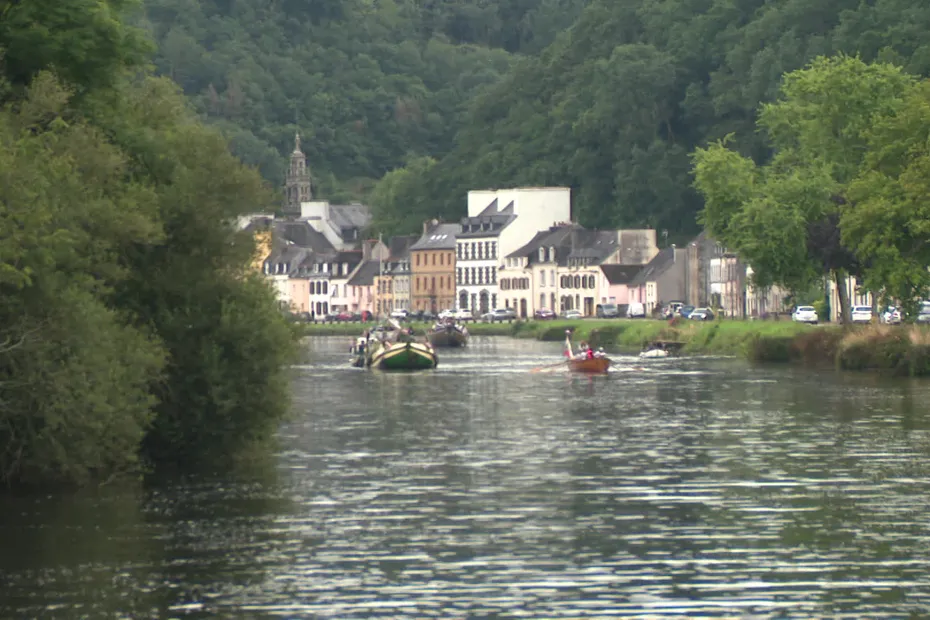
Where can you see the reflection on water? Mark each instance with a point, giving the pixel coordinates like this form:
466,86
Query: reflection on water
677,488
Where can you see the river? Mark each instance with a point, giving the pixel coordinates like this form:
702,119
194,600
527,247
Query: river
669,488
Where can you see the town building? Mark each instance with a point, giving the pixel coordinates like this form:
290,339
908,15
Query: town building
616,281
498,223
527,277
392,285
432,267
661,280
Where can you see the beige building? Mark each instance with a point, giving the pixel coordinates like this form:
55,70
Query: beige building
432,268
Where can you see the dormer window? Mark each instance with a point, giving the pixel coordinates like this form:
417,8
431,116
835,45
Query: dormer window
551,254
345,269
542,254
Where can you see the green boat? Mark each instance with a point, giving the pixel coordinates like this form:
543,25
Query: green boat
402,356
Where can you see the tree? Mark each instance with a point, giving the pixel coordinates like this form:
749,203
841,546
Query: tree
783,217
890,221
84,41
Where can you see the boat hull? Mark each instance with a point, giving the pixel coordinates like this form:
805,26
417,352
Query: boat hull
404,356
596,365
450,337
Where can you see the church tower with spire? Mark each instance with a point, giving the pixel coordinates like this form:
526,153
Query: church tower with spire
297,187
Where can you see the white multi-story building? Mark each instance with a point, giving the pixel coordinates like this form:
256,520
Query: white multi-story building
498,223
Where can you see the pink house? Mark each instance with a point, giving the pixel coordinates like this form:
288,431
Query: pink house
299,294
615,283
361,287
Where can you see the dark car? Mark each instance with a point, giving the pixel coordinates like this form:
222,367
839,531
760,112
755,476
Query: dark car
701,314
685,311
544,314
607,311
427,316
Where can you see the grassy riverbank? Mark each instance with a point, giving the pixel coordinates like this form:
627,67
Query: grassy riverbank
898,350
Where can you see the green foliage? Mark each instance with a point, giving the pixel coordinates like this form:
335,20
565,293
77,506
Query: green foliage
616,103
846,190
84,40
129,318
370,85
74,378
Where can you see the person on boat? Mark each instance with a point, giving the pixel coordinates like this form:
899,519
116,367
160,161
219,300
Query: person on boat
589,353
600,352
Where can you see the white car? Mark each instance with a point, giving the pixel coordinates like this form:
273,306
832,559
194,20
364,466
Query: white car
805,314
447,314
462,315
400,314
861,314
891,316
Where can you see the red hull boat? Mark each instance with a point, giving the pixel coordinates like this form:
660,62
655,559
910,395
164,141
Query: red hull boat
597,365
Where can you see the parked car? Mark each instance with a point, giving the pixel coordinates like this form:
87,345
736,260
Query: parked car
543,314
923,315
701,314
462,315
427,316
685,311
447,314
805,314
636,311
400,314
499,314
571,314
891,316
861,314
606,311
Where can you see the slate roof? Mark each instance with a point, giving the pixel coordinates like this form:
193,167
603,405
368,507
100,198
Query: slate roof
439,237
620,274
365,275
290,254
655,268
593,246
554,236
350,216
302,234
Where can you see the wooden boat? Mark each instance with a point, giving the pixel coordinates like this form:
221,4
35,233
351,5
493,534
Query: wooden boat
598,363
448,335
595,365
400,355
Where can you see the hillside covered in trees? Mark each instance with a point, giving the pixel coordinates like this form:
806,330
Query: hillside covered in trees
369,84
616,104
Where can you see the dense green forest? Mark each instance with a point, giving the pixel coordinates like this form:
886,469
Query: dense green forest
616,104
371,84
131,330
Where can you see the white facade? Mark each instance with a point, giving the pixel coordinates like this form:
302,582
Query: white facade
478,257
476,261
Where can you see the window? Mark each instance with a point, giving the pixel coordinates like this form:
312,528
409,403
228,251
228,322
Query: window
418,260
542,278
542,254
433,279
325,287
434,260
458,275
335,291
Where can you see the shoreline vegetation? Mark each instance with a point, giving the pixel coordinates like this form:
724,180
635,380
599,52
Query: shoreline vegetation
898,350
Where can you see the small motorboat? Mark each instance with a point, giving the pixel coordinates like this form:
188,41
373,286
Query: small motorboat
654,353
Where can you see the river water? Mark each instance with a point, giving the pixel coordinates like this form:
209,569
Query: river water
669,488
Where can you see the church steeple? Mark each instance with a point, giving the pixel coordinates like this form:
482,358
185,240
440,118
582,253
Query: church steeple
297,186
